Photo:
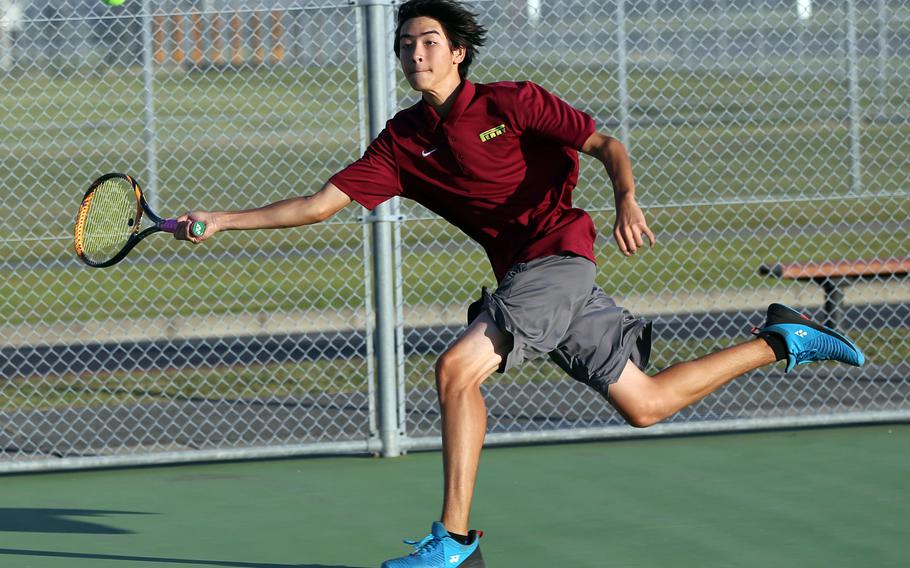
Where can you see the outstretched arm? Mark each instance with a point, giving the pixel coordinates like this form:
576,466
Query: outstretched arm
291,212
630,228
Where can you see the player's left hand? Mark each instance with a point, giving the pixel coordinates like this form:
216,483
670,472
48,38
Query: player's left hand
631,229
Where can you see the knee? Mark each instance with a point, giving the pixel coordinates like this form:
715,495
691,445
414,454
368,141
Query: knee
452,378
641,420
641,414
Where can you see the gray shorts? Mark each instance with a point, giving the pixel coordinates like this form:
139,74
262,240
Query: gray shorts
551,307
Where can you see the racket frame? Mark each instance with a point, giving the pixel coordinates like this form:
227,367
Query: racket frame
142,207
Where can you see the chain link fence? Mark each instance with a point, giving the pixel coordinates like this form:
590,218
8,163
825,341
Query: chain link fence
760,131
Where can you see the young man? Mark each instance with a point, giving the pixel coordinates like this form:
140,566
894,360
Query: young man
500,162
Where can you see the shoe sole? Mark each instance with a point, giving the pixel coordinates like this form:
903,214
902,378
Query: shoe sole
475,560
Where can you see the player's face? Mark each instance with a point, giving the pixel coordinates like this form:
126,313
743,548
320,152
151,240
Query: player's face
427,60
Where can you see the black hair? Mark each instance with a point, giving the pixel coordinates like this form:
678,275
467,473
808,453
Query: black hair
459,25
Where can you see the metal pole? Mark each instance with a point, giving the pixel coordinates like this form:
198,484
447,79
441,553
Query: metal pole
855,117
367,268
533,9
762,65
882,58
689,60
148,77
398,258
383,269
623,72
723,60
6,32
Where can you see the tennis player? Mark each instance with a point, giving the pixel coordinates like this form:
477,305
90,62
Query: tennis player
500,161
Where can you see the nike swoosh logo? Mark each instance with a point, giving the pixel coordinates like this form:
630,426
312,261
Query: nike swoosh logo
426,153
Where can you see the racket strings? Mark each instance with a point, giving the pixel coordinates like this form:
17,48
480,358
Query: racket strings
110,218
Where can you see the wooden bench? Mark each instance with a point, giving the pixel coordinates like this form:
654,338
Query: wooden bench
834,276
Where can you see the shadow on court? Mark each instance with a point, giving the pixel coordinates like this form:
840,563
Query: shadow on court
58,521
35,520
186,561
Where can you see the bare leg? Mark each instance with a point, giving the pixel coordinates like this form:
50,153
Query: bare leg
645,400
459,373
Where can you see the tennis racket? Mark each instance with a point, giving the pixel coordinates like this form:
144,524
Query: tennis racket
109,219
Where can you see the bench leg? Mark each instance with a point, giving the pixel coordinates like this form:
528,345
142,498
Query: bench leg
834,300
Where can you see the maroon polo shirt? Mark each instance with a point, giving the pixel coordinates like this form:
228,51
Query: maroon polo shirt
501,167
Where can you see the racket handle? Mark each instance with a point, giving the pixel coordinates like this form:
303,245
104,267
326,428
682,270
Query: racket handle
170,226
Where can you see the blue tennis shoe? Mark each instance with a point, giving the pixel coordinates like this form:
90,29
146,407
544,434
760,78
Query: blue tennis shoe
439,550
807,341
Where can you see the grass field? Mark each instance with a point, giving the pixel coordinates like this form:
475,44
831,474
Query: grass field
690,256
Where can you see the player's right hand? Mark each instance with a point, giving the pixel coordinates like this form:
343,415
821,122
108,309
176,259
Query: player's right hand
185,223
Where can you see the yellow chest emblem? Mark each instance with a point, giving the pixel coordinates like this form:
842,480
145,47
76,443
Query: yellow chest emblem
493,133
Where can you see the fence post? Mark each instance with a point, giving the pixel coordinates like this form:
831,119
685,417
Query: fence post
622,62
855,110
6,43
398,258
148,78
381,220
882,58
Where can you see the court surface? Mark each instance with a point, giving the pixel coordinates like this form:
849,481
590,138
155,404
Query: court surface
808,498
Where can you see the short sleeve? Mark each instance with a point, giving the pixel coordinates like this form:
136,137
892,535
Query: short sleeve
373,178
541,113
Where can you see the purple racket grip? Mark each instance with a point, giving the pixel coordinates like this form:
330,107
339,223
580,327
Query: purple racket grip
169,225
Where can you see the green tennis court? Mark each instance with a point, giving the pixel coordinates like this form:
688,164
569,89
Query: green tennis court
826,497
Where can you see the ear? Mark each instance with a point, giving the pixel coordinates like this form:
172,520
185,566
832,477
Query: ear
458,54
